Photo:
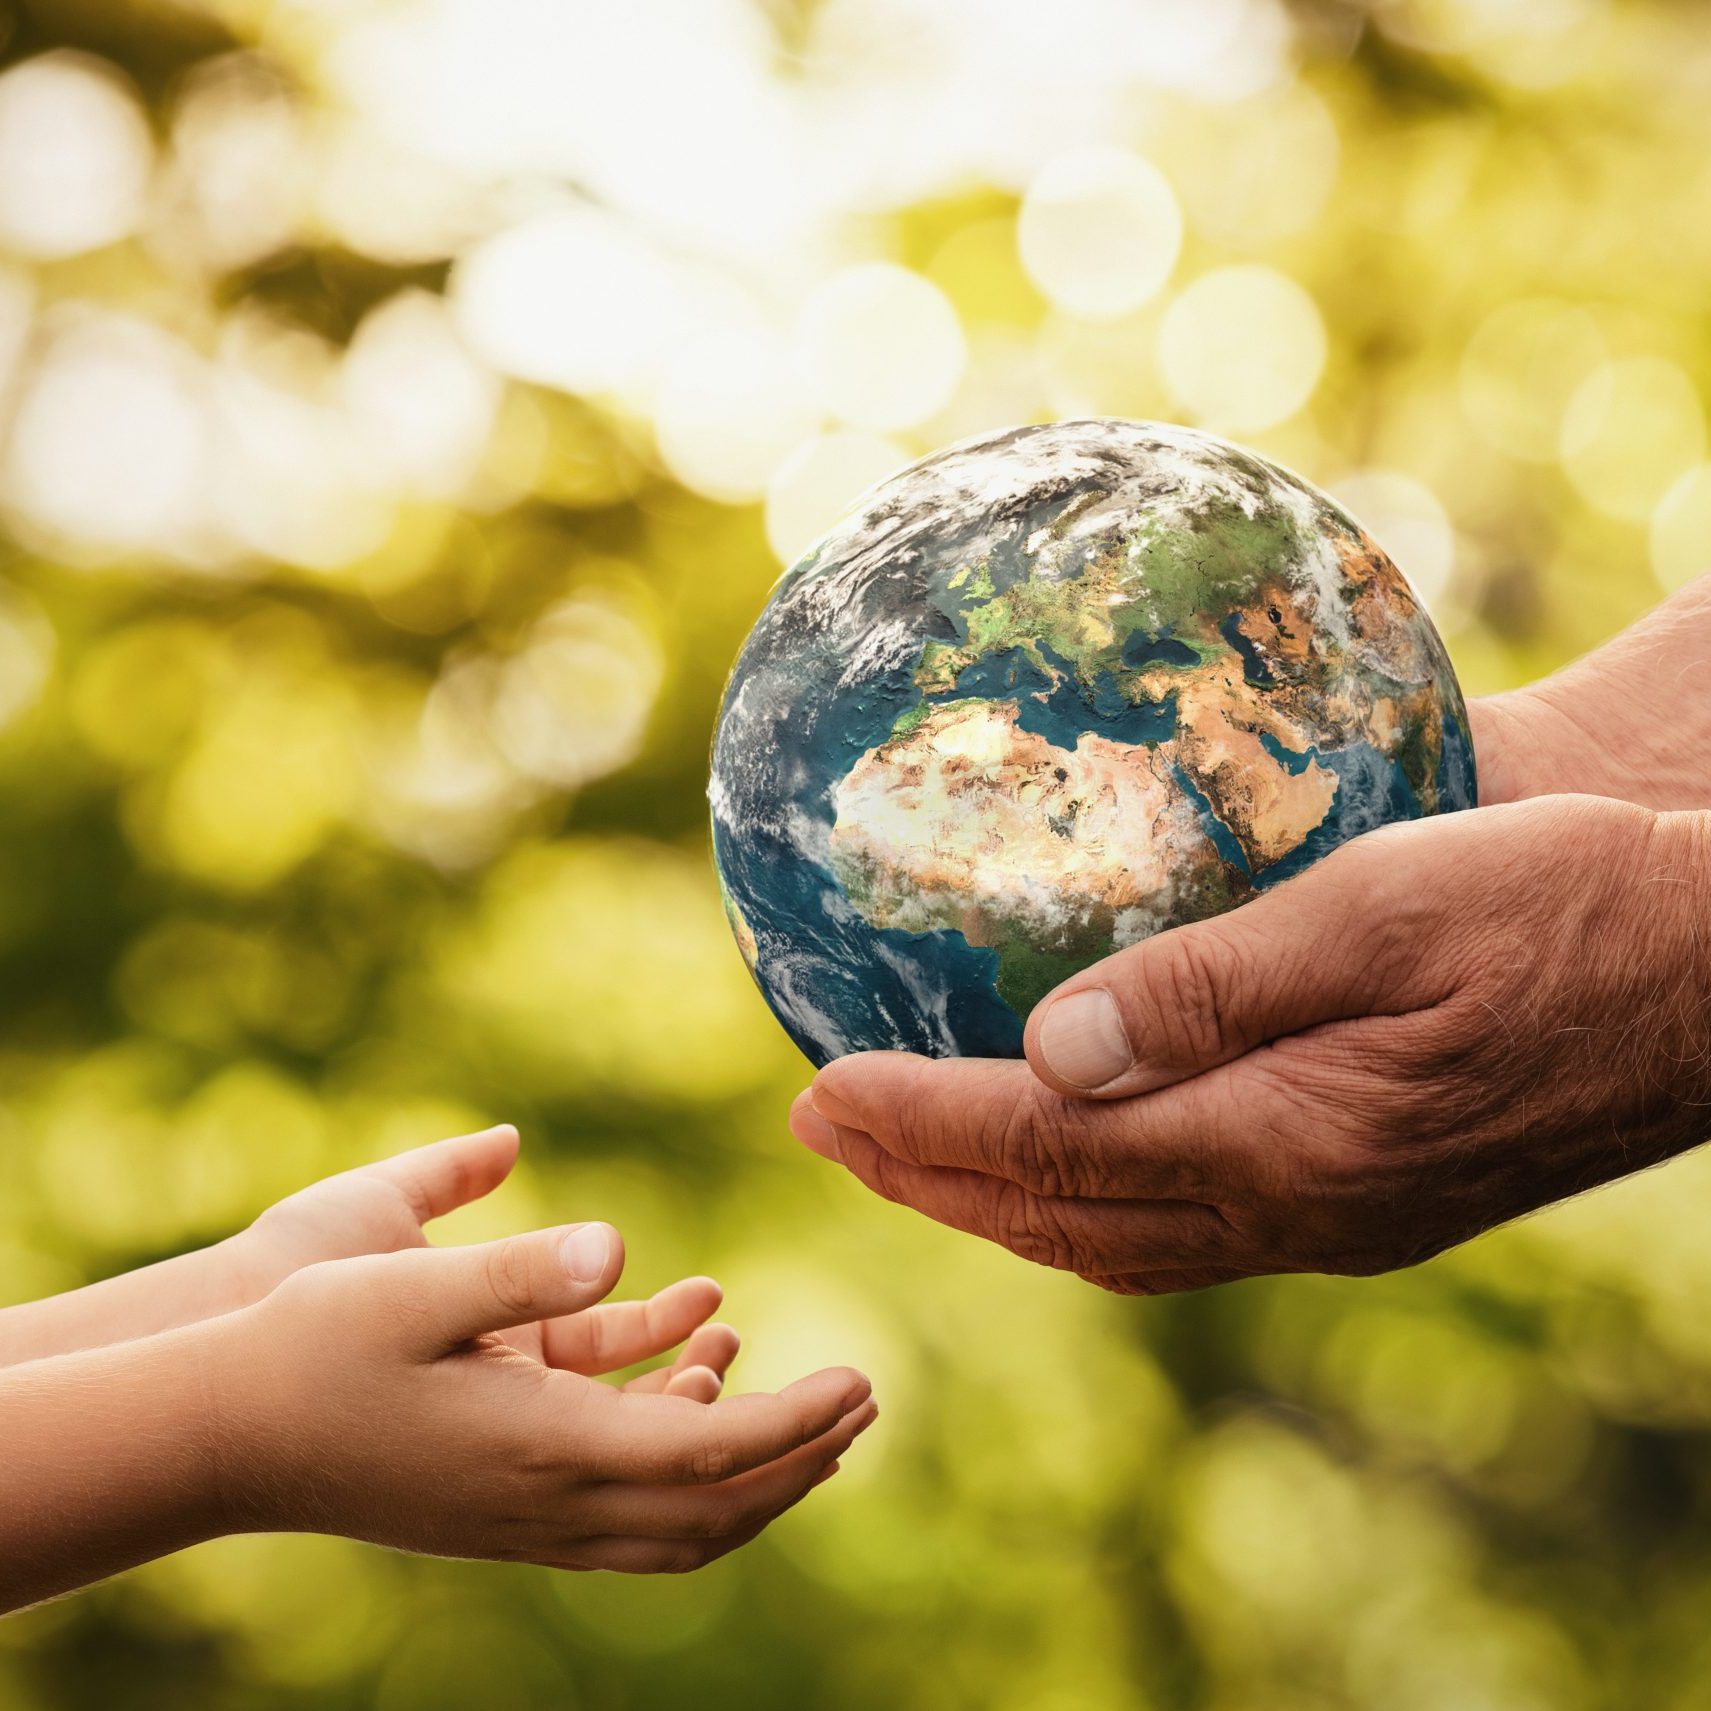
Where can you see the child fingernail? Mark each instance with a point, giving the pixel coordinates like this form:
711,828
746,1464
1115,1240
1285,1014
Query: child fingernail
586,1250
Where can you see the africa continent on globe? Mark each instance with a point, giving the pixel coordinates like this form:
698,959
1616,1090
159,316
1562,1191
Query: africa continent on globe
1046,693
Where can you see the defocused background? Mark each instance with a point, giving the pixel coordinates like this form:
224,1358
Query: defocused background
404,410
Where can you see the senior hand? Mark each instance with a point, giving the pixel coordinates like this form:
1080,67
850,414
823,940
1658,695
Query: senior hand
1442,1025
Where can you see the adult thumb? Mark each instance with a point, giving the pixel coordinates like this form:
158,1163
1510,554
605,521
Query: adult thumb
493,1286
1201,995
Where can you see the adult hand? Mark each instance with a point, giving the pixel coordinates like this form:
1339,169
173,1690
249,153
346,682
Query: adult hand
1442,1025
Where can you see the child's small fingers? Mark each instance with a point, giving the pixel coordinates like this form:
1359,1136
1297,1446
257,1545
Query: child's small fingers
444,1175
633,1554
711,1346
662,1440
714,1346
624,1555
698,1383
623,1332
712,1511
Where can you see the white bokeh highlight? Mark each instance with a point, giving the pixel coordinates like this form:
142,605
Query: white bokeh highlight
1099,231
880,347
75,156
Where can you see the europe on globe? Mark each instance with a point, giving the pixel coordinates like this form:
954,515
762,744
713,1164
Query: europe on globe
1043,694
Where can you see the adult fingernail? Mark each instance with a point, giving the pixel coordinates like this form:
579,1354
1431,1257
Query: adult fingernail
1082,1039
833,1109
814,1132
860,1391
586,1250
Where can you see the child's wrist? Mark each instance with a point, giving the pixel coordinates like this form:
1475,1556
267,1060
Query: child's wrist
241,1484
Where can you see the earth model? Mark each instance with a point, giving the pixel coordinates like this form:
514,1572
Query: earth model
1046,693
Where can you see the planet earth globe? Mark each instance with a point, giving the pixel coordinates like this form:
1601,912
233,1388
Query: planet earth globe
1043,694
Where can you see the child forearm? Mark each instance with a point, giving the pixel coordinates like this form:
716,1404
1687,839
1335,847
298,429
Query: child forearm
178,1291
107,1458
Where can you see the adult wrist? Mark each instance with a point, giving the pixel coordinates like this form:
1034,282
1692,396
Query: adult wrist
1675,889
1526,745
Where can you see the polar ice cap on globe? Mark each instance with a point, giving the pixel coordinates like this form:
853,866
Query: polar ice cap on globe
1043,694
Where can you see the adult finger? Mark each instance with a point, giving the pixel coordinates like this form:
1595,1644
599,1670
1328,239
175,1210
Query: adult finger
1068,1234
444,1175
1167,1282
623,1332
1334,942
453,1294
996,1117
668,1440
732,1506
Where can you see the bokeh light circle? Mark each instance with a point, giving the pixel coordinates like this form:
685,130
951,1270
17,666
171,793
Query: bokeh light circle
75,156
1631,428
880,346
1681,530
1521,368
1242,348
1099,231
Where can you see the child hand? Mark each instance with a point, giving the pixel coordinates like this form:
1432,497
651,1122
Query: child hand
380,1397
380,1208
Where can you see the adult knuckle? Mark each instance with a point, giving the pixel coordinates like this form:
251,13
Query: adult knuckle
883,1174
1029,1147
1031,1229
1192,980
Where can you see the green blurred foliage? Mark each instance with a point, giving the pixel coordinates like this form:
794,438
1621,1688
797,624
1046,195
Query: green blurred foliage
340,813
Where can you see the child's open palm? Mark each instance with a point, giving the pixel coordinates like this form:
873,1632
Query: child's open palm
381,1208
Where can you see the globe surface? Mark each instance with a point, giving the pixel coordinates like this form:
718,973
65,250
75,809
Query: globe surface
1043,694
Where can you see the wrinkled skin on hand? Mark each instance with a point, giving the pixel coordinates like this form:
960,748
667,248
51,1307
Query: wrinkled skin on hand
1442,1025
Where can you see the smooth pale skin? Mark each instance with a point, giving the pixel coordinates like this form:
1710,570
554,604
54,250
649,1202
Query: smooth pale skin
329,1371
1441,1026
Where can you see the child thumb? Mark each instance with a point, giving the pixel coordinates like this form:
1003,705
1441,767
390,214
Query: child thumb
493,1286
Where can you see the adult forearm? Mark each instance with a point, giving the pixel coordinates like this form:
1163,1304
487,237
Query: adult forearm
1631,720
179,1291
107,1458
